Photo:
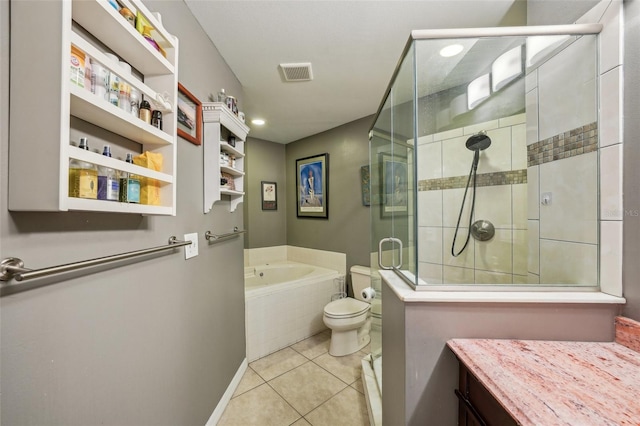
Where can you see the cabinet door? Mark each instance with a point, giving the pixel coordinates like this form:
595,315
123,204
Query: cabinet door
480,407
467,416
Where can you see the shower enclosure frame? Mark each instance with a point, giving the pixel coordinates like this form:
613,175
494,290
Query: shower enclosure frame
439,34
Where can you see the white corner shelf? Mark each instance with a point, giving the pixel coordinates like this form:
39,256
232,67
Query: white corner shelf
219,121
41,145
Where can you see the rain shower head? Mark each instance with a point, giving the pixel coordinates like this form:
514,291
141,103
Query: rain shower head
478,142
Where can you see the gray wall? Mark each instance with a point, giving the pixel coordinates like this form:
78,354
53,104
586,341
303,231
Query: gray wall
631,224
265,161
347,229
154,341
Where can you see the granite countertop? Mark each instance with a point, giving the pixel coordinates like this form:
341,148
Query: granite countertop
561,383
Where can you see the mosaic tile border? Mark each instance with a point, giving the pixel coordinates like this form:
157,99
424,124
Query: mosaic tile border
512,177
574,142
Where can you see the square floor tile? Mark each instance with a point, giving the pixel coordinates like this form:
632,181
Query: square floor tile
277,363
307,386
261,406
346,408
314,346
250,380
347,368
358,385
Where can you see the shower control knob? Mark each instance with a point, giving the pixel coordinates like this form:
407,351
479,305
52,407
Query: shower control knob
546,199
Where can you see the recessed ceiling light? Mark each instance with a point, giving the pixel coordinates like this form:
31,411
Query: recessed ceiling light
451,50
258,121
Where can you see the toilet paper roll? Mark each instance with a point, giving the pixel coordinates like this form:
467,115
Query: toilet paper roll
368,294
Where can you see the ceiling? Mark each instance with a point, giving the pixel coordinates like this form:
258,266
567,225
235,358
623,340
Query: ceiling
353,46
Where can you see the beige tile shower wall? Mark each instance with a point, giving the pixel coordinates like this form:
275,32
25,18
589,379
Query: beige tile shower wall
567,92
580,216
611,140
443,163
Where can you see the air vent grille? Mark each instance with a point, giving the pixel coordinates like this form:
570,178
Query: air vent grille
297,72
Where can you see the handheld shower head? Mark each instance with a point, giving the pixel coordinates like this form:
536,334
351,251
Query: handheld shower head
478,142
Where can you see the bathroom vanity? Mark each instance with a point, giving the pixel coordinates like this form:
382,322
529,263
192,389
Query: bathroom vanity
533,382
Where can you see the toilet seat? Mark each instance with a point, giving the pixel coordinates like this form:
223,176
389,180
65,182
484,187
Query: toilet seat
345,308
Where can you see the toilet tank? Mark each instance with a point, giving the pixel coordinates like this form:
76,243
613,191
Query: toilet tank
360,279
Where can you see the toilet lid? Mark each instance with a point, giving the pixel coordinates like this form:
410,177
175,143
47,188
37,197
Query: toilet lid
347,307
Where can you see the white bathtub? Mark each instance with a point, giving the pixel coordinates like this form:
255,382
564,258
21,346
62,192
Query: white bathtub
284,303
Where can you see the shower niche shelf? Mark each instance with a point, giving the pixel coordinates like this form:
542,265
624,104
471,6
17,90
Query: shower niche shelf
220,124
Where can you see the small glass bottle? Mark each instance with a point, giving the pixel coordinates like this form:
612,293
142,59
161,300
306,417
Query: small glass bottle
129,185
83,176
124,88
145,111
108,184
99,79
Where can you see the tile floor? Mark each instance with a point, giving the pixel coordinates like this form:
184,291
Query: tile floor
301,385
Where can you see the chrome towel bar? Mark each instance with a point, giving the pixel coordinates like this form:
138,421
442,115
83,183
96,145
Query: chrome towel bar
215,238
12,267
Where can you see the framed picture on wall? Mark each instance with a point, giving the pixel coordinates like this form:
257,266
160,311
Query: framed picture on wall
312,183
395,190
269,195
189,116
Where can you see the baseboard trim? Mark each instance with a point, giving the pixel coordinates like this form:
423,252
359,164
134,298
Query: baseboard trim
371,393
224,401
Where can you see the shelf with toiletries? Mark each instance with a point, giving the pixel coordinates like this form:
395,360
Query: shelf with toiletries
224,138
119,165
225,147
106,24
105,39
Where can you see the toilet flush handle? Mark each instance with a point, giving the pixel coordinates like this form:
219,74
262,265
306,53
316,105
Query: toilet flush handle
393,241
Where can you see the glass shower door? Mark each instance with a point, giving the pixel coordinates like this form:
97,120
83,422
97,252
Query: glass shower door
393,195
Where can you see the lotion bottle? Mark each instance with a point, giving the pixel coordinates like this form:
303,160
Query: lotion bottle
129,185
108,183
83,176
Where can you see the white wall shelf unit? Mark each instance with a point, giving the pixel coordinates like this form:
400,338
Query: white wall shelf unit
219,124
43,106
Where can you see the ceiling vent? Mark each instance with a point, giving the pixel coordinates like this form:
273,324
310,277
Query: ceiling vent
297,72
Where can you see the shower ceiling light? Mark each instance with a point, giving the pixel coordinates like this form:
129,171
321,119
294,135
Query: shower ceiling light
478,90
507,67
258,121
451,50
539,46
458,105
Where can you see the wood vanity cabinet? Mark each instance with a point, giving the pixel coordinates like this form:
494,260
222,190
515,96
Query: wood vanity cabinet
476,405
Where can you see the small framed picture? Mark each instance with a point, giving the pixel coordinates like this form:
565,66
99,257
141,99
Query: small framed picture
365,182
312,181
189,116
269,195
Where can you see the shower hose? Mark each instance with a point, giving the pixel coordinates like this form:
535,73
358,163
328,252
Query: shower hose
472,174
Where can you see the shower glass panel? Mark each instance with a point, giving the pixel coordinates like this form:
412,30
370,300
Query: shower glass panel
392,177
484,160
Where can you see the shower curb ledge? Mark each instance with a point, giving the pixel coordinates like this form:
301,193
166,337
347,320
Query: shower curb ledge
405,293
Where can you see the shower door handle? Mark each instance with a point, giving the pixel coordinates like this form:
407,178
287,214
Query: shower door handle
389,240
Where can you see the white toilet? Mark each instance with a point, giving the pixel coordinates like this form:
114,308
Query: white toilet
348,318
